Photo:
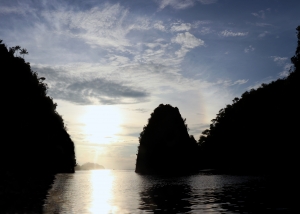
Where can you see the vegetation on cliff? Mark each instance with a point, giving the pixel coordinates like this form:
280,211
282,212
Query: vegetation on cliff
34,136
165,145
257,132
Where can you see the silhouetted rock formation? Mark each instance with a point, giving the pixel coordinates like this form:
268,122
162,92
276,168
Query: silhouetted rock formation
35,134
35,144
165,145
89,166
258,132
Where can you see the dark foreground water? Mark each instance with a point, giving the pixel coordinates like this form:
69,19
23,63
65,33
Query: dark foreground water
123,191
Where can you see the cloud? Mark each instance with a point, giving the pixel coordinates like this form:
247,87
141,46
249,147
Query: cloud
8,10
87,90
207,1
176,4
259,14
263,34
128,69
286,70
140,110
240,82
197,23
101,87
249,49
187,42
262,24
20,8
182,4
227,33
205,30
181,27
282,61
105,27
279,60
227,82
159,25
118,60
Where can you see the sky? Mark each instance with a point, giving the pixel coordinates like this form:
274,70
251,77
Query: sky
109,64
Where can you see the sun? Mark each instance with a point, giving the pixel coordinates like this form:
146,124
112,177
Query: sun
101,123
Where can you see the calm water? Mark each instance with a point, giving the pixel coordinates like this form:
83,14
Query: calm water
123,191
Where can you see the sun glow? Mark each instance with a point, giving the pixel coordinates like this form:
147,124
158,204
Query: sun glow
101,123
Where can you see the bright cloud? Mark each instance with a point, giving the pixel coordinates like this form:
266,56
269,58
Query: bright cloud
160,26
182,4
104,27
227,33
227,83
240,82
187,41
181,27
279,60
177,4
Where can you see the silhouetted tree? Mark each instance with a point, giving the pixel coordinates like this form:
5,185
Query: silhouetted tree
23,52
257,132
165,145
296,59
17,48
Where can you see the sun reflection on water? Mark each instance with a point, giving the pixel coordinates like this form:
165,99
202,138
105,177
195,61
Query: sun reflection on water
102,193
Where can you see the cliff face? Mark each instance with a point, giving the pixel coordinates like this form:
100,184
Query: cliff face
165,146
33,134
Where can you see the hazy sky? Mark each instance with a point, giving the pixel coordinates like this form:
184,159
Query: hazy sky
109,64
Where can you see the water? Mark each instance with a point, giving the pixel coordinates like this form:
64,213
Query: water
123,191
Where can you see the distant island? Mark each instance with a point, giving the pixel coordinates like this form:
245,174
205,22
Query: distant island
89,166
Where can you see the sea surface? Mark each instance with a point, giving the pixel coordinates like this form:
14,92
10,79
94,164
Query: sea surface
124,191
